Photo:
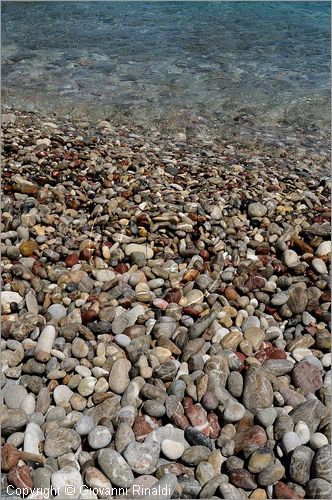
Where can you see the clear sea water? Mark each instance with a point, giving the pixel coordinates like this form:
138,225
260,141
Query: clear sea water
223,69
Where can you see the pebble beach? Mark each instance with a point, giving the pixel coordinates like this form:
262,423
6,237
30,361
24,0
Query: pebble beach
165,314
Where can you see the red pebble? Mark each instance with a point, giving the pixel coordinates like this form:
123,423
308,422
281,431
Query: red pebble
281,490
71,260
204,254
173,296
246,438
187,401
192,311
143,425
255,282
270,353
214,425
20,477
121,268
197,416
242,358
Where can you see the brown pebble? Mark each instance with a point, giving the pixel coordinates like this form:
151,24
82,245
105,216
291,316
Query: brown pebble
190,275
9,457
86,254
88,316
28,248
241,478
173,296
231,294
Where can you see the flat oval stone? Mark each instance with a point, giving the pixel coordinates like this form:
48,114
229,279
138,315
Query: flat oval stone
142,458
302,430
319,266
259,460
278,366
14,394
119,376
115,467
258,391
196,454
57,311
317,440
99,437
273,473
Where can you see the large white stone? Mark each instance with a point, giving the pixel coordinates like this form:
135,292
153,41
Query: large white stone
29,404
46,339
57,311
319,266
67,477
31,302
103,274
172,449
290,441
303,431
323,248
33,436
62,394
126,318
7,298
134,247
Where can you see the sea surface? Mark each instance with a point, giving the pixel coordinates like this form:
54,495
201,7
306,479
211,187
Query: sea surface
249,70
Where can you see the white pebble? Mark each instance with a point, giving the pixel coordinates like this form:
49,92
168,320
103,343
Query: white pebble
29,404
84,371
62,394
317,440
46,339
84,425
326,360
319,266
290,441
57,311
172,449
300,352
323,248
67,477
32,438
99,437
303,431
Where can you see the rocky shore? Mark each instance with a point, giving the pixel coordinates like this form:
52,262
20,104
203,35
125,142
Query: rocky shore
165,315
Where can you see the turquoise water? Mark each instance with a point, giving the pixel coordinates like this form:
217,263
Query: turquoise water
244,69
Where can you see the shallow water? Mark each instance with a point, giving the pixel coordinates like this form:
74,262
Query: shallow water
244,69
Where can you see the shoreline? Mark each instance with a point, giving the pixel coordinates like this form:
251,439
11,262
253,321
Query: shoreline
201,129
165,312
